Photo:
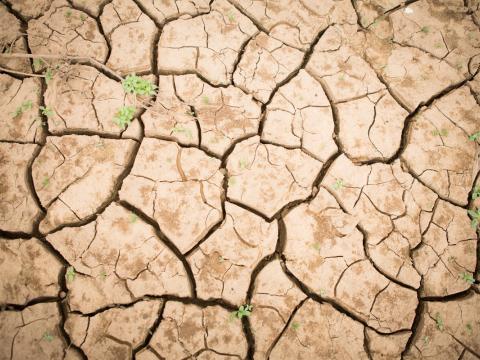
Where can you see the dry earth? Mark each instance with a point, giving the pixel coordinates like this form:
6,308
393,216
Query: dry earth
311,158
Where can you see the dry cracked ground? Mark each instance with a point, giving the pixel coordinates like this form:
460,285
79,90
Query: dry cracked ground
317,160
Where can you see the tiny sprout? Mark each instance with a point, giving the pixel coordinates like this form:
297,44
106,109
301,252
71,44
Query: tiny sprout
295,325
103,274
442,132
47,336
338,184
426,340
48,75
469,328
24,106
476,192
68,13
45,110
45,181
220,259
474,136
425,29
70,274
475,215
83,17
124,116
439,322
190,113
37,64
243,310
467,277
133,218
205,99
180,129
242,163
134,84
231,16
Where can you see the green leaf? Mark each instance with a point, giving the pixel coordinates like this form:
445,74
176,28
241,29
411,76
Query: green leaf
134,84
45,110
338,184
474,136
439,322
295,325
124,116
70,274
24,106
47,336
48,75
476,192
467,277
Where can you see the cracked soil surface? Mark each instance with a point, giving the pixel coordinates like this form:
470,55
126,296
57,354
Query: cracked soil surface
315,159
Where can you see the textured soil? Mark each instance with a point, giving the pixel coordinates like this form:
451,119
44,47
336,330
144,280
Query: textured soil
311,158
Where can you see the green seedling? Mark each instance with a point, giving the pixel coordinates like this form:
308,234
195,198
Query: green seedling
45,181
426,340
439,322
190,113
70,274
231,16
437,45
83,17
474,136
338,184
68,13
134,84
242,164
133,218
37,64
103,274
469,329
221,259
243,310
180,129
47,336
205,99
475,215
476,192
322,292
45,110
467,277
48,73
425,29
124,116
24,106
316,246
442,132
295,325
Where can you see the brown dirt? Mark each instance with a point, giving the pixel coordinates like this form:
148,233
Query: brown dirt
310,158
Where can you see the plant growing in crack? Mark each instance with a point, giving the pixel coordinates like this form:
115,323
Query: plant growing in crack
47,336
425,29
474,136
467,277
181,129
124,116
439,322
133,218
47,111
134,84
70,274
476,193
243,310
24,106
475,216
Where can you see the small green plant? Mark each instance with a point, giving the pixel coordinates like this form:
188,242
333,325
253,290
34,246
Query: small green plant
243,310
221,259
316,246
231,16
295,325
467,277
338,184
68,13
24,106
124,116
442,132
425,29
134,84
475,215
474,136
243,164
476,192
205,99
37,64
83,17
469,329
103,274
45,110
180,129
426,340
437,45
439,322
190,113
133,218
70,274
47,336
45,181
48,73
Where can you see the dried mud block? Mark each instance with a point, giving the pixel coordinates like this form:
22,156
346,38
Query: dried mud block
320,332
298,25
117,258
180,188
63,30
131,35
12,41
165,10
29,270
207,44
438,150
446,329
223,263
267,177
33,333
300,116
19,105
386,347
188,330
448,250
274,299
265,64
114,333
31,9
18,209
75,175
84,99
